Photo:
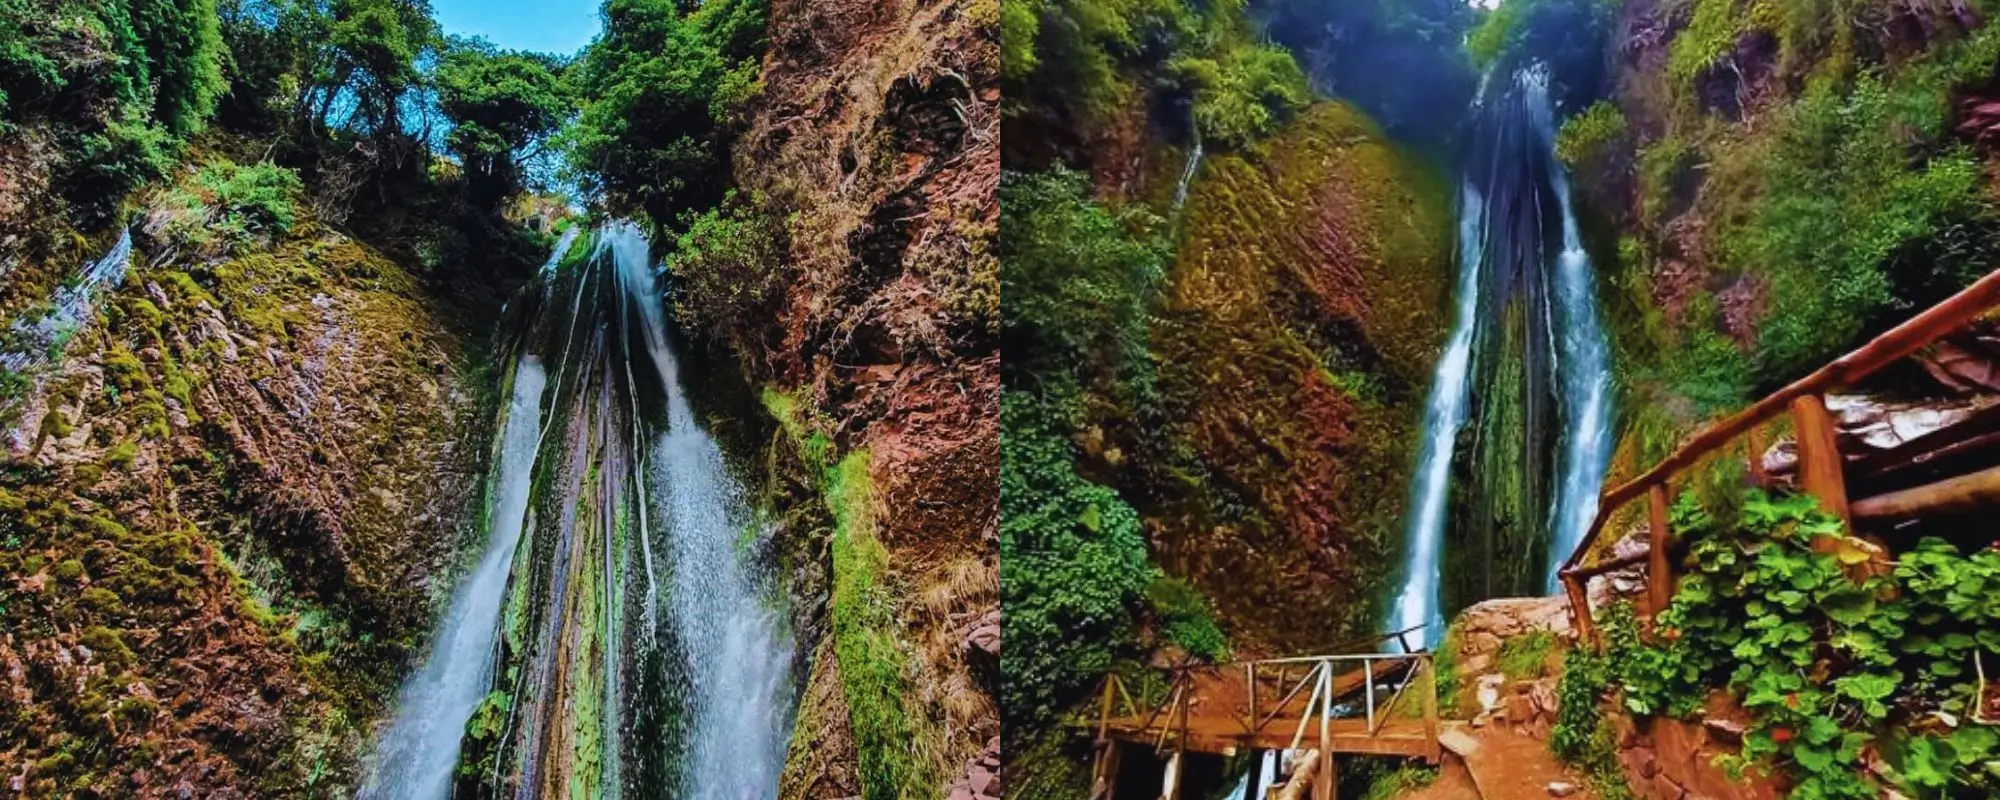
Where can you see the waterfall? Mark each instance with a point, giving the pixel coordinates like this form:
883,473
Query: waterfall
1418,603
1525,334
1187,174
37,340
1584,373
415,757
633,643
739,653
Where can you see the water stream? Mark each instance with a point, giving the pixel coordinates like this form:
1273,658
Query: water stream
420,748
37,340
1418,603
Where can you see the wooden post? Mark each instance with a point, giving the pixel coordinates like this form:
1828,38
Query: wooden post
1323,780
1105,785
1174,775
1105,750
1579,607
1659,574
1430,700
1821,472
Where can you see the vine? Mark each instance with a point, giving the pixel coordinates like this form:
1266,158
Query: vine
1855,677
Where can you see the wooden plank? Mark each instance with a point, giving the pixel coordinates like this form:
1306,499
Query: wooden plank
1659,572
1899,343
1217,736
1928,447
1822,472
1955,496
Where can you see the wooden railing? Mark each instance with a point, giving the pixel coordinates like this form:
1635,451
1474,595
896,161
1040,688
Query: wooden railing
1323,680
1821,470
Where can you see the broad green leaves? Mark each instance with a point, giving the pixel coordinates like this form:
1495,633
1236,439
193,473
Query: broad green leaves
1828,662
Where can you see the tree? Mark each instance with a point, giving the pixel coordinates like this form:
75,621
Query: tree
501,104
659,90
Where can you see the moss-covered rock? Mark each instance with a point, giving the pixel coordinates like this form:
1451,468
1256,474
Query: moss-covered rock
1294,342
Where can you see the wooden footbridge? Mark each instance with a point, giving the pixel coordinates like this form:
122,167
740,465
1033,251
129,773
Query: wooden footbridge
1382,704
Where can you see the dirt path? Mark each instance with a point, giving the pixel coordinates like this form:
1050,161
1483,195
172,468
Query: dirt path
1508,766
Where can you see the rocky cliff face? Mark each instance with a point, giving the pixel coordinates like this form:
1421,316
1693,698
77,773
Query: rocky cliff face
221,505
1295,338
877,136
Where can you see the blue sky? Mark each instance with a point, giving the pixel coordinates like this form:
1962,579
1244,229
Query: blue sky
550,26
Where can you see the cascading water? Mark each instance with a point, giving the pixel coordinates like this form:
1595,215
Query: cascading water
417,753
640,646
36,339
1526,334
1418,602
1584,374
739,692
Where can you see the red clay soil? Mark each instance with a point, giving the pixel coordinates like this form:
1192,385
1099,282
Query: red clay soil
1509,766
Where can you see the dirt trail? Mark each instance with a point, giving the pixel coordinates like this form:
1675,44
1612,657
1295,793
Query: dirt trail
1509,766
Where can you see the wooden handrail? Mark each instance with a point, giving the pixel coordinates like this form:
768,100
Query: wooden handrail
1898,343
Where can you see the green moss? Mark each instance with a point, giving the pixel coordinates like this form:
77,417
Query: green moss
68,571
122,456
873,659
106,644
1526,657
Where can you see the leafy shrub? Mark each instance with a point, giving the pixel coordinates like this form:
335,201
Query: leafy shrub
728,271
1828,662
1242,93
1187,620
1587,134
1078,275
1840,199
1072,564
232,204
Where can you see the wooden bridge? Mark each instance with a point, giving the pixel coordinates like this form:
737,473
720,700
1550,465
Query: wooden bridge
1349,704
1949,471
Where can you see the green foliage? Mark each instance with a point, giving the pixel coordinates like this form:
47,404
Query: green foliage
1400,782
1589,133
1078,275
499,104
1828,661
1486,41
232,205
728,271
1187,620
121,83
1072,564
1242,93
873,661
1525,657
658,92
373,49
1091,56
1840,199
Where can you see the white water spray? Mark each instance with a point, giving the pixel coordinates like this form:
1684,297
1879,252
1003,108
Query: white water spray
416,755
38,339
1418,604
739,654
